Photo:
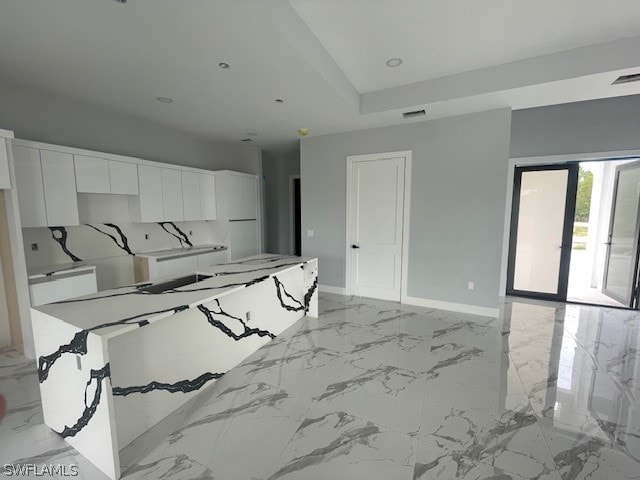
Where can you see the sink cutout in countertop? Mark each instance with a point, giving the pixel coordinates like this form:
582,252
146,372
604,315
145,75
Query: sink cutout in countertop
174,283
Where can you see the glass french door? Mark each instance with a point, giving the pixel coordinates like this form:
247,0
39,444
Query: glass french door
621,264
544,200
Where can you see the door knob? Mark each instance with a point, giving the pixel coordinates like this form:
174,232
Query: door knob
355,246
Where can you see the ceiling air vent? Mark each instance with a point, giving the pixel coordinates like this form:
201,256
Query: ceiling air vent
634,77
414,114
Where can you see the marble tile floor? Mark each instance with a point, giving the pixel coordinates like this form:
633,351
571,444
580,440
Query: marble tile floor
379,390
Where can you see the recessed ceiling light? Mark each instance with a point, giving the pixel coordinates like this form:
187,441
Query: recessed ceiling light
252,134
394,62
164,99
279,100
224,65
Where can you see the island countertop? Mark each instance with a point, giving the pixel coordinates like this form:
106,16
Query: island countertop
113,365
113,312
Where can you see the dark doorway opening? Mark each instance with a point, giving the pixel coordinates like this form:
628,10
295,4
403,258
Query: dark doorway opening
297,218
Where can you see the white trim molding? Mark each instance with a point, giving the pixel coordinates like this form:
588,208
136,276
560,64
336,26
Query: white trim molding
331,289
451,306
428,303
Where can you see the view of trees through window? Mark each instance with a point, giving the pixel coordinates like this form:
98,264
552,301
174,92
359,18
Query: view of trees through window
583,198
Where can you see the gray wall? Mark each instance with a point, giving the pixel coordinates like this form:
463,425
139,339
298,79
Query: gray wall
603,125
58,120
458,192
276,169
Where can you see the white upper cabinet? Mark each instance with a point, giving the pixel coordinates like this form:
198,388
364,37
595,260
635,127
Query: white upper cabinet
250,195
235,200
98,175
5,179
208,196
123,177
242,196
149,205
172,195
191,193
92,174
30,188
59,180
49,179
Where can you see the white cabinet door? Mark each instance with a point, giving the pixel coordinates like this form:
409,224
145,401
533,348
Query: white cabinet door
235,197
250,197
208,196
30,189
177,266
5,179
92,174
63,289
242,195
172,195
237,247
59,180
191,196
250,238
150,180
123,177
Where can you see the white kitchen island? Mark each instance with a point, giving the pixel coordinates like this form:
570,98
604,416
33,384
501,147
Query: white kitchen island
112,365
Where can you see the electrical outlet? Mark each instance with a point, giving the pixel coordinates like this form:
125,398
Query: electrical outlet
34,247
309,233
471,285
146,236
248,316
79,362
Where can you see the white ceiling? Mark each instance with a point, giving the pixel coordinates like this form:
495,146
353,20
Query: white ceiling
436,38
320,56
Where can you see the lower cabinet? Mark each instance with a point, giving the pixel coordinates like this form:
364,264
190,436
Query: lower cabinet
176,266
243,238
148,268
62,287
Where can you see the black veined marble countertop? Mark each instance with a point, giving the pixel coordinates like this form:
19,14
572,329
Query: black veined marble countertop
112,312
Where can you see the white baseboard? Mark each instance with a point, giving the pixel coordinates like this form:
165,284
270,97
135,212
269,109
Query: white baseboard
451,306
330,289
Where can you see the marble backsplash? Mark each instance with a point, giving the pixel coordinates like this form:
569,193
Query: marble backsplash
110,246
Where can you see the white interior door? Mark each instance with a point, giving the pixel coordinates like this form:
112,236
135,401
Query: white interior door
376,224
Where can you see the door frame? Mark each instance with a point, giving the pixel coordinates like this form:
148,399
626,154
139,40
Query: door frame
292,237
633,274
567,230
545,160
15,269
351,159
